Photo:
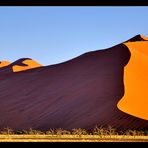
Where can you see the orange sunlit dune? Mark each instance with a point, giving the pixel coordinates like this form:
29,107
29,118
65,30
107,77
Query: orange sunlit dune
145,38
29,64
135,99
4,63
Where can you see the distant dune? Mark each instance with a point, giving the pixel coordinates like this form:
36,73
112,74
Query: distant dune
20,65
24,64
103,87
4,63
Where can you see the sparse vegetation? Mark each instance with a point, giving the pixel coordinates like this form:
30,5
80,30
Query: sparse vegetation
98,133
77,131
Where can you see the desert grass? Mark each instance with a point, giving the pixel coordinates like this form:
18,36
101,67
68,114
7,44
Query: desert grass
71,138
98,134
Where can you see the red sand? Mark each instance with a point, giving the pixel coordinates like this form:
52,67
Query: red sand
29,63
80,93
20,65
4,63
135,99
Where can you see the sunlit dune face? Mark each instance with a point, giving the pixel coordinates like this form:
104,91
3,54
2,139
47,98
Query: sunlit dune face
29,64
145,38
4,63
135,99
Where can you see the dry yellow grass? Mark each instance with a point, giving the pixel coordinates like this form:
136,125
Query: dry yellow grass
72,138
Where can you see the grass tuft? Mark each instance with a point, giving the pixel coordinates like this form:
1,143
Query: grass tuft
78,132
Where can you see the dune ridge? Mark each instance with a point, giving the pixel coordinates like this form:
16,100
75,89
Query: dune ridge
19,65
135,100
80,93
25,64
4,63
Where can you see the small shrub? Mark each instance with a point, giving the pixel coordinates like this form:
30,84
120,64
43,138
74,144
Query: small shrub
140,133
7,131
99,131
59,132
79,132
146,133
18,132
130,132
111,131
50,132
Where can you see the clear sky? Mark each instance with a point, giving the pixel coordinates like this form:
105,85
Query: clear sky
52,35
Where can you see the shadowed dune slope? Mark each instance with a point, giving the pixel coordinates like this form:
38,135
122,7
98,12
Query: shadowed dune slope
136,38
80,93
135,99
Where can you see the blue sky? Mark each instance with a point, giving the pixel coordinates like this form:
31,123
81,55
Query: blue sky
52,35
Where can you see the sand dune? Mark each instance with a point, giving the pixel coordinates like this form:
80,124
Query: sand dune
145,38
79,93
135,99
4,63
20,65
25,64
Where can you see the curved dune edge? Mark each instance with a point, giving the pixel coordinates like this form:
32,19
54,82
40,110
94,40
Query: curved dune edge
29,65
135,99
145,38
80,93
4,63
